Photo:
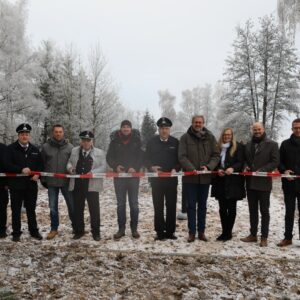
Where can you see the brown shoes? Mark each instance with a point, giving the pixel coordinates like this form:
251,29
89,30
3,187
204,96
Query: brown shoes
263,242
52,234
249,239
285,243
191,238
202,237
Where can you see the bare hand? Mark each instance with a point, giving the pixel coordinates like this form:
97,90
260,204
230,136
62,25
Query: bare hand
71,171
26,171
35,177
247,169
156,168
229,171
131,170
120,169
203,168
221,172
289,172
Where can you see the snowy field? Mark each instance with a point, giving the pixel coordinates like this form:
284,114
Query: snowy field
145,269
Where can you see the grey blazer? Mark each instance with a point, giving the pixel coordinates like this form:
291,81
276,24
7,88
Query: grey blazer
99,166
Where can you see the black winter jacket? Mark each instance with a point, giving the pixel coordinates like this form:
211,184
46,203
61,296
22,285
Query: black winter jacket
230,186
163,154
3,180
17,159
127,154
290,160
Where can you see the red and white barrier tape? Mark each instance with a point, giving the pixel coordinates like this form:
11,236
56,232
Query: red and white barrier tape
147,174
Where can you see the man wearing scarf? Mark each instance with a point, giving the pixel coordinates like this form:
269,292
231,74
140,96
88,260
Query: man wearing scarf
197,152
55,153
261,155
290,165
124,155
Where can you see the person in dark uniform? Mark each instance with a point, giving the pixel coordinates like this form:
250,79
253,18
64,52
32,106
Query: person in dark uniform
162,156
3,195
23,157
86,159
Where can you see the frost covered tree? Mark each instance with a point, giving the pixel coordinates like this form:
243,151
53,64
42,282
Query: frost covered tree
106,108
19,94
289,16
167,104
197,101
261,77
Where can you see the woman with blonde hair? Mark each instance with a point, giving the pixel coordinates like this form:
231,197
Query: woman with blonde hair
228,188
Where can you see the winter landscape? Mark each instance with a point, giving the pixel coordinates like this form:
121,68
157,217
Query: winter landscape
146,269
88,65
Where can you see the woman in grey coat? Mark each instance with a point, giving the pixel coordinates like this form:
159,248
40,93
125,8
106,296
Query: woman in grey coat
86,159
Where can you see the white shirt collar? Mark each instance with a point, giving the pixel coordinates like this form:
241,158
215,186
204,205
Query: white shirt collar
24,146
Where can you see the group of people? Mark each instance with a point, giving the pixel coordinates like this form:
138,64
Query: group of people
197,150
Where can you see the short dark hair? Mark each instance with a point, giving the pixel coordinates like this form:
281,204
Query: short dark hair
57,125
198,116
296,121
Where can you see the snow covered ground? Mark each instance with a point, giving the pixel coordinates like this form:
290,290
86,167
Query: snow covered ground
145,269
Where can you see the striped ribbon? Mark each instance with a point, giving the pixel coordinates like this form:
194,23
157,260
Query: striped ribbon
146,174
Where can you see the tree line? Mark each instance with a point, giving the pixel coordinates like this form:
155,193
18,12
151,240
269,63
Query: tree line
48,85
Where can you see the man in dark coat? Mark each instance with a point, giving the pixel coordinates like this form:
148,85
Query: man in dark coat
261,155
162,156
197,152
23,157
290,165
124,155
55,153
3,195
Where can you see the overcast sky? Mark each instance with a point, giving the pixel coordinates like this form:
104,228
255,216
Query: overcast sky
150,44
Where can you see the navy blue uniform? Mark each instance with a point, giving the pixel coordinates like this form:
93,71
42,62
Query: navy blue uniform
23,189
164,190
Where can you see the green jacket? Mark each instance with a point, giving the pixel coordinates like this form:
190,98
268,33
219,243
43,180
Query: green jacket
195,152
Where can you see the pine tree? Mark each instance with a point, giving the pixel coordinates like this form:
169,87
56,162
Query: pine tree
148,128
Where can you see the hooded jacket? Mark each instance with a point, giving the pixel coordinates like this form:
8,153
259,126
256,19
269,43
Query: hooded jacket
125,152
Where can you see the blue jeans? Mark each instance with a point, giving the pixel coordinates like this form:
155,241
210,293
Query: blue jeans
53,204
196,196
122,187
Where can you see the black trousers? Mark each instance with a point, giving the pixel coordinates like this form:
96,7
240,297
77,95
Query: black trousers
164,193
29,198
3,209
259,199
80,194
227,211
290,198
